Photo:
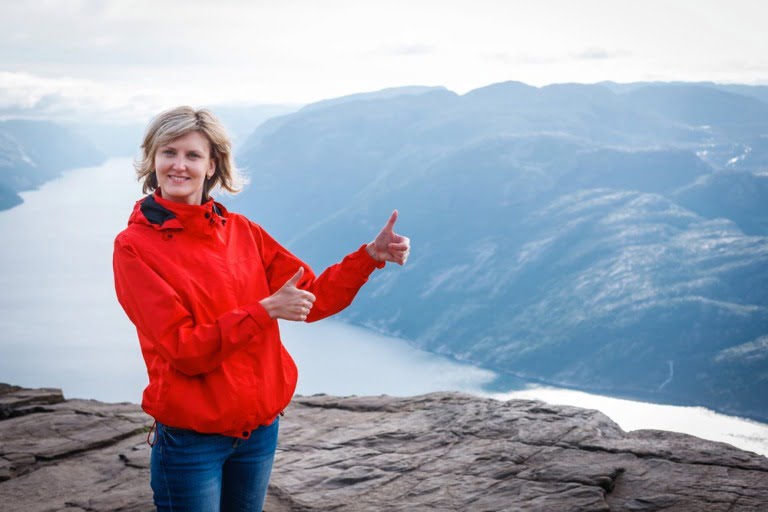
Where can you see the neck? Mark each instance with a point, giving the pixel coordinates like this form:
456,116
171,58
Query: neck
199,201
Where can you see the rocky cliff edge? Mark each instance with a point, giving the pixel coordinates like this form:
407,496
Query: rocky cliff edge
442,452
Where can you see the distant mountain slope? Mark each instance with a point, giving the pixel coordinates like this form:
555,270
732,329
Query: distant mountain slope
373,95
33,152
241,120
736,195
582,235
124,138
759,92
730,114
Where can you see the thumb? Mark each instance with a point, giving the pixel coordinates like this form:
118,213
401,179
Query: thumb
389,226
295,279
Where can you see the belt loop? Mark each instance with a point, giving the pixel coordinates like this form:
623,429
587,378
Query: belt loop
153,427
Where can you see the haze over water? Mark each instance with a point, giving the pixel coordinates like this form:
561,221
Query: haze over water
61,325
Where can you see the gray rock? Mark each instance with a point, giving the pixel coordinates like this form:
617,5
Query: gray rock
17,401
443,451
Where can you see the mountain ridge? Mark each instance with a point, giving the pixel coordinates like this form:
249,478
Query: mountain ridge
553,236
33,152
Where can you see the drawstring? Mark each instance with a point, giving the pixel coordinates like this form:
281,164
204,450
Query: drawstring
152,444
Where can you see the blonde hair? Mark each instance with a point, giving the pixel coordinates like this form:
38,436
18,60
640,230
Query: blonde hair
177,122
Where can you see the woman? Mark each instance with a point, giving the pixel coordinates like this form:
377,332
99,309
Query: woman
205,288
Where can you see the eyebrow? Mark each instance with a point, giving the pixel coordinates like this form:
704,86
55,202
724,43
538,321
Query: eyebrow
168,146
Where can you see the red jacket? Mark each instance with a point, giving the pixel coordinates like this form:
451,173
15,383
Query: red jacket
190,278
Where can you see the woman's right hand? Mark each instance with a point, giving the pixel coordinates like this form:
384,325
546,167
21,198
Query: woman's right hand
289,302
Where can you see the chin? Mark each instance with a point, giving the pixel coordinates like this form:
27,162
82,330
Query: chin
182,195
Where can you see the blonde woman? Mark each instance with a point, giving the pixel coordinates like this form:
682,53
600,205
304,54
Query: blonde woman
205,288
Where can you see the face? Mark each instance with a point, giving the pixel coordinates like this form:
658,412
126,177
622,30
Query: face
182,166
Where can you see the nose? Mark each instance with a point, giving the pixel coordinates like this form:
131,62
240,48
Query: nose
178,163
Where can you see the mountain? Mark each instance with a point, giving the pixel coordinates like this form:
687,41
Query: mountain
124,138
740,196
33,152
602,239
241,120
759,92
727,114
110,138
373,95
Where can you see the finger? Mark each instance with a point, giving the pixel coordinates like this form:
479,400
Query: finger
295,279
391,222
400,239
309,296
398,246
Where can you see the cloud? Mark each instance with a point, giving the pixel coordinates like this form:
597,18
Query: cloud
261,51
524,58
753,351
544,58
403,50
596,53
25,95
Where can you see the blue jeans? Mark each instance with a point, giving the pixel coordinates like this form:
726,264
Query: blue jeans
211,472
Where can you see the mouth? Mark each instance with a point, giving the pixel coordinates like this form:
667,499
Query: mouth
177,179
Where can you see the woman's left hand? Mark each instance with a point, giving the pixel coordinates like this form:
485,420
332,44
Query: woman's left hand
389,246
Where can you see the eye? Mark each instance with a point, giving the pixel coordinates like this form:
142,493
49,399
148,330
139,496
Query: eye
168,152
194,155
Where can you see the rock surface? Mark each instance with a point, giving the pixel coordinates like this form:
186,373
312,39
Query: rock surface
443,451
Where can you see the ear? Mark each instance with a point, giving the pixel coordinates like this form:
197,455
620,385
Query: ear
211,169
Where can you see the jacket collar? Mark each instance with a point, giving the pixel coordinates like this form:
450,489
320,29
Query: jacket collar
163,214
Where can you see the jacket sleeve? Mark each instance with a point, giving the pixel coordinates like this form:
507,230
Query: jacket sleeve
159,314
334,289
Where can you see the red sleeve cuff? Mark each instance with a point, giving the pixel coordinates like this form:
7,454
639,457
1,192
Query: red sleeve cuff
259,314
368,264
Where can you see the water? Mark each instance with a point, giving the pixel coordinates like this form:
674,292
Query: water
61,325
60,322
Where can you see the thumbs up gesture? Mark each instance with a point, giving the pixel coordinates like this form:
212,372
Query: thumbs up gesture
290,302
389,246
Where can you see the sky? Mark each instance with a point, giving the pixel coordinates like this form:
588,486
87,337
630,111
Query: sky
126,59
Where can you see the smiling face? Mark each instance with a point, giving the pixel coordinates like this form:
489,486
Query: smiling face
182,166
